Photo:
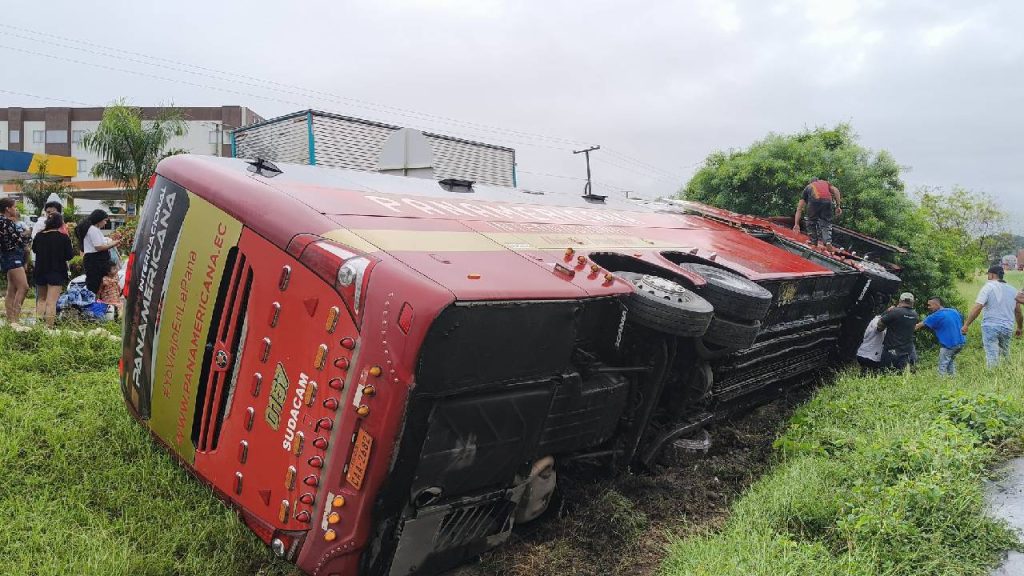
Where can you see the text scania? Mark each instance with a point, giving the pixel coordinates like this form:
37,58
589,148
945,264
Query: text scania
293,415
494,210
147,277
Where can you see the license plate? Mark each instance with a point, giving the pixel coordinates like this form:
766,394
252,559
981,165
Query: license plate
360,458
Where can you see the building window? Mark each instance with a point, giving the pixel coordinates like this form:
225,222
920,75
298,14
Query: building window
81,167
15,137
77,135
56,136
214,136
39,137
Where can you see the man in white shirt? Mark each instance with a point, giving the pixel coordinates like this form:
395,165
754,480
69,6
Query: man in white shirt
869,355
1002,311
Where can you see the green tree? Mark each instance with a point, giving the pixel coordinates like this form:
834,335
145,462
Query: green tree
38,189
1002,243
940,231
767,178
130,147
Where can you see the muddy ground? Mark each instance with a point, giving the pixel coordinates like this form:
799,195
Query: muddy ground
605,525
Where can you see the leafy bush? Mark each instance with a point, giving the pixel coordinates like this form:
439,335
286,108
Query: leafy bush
126,232
991,417
939,230
76,266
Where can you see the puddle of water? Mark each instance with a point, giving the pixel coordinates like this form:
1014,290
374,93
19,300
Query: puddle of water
1005,498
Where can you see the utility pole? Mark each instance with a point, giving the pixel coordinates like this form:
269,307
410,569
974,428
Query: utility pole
587,190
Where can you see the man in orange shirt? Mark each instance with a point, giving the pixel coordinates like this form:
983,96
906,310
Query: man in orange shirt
822,201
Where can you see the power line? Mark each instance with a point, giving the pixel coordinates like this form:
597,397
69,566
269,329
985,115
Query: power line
49,98
215,74
261,83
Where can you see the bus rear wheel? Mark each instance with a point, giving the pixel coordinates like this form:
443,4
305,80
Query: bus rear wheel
667,306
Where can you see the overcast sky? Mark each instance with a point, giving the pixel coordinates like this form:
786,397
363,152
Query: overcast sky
659,85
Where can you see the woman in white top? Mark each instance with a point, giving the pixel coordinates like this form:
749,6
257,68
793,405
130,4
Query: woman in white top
95,246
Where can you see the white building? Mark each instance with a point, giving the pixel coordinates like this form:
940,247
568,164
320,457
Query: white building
60,131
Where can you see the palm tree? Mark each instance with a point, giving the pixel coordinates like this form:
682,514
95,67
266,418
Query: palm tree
38,189
131,148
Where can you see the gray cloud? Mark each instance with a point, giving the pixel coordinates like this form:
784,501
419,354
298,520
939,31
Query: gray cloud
658,85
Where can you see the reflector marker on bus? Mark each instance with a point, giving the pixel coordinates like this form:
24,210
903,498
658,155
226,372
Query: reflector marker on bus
341,363
303,517
275,313
310,394
405,318
321,357
298,443
243,451
250,416
282,514
331,403
238,482
311,480
348,343
332,319
266,350
306,498
257,383
311,305
335,383
286,276
289,478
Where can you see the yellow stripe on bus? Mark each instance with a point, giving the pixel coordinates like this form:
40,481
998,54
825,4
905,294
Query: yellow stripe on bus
470,241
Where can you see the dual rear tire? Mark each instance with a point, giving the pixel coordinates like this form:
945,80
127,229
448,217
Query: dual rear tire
725,313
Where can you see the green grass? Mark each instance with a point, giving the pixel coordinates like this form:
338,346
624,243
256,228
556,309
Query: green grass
878,475
84,490
874,476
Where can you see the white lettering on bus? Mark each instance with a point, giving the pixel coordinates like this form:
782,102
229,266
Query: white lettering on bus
147,277
431,207
386,202
293,415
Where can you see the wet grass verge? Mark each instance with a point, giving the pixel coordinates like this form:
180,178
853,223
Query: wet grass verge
876,475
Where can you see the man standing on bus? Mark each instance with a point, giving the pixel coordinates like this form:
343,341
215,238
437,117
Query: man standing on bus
822,201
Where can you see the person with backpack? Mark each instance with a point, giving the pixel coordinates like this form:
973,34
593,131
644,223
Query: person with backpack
823,202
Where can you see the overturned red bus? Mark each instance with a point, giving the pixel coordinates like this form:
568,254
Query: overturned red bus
385,374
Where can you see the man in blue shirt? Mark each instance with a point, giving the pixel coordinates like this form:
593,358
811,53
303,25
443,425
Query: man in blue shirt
946,323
